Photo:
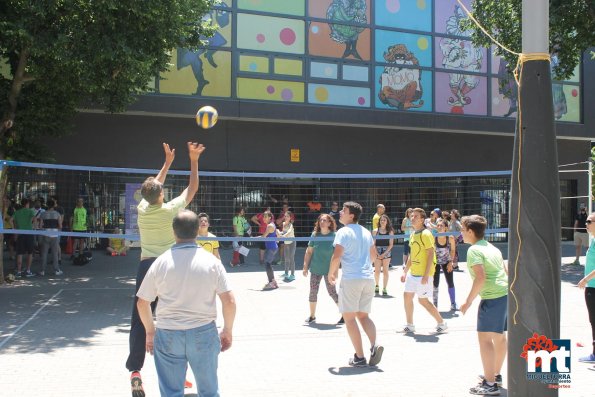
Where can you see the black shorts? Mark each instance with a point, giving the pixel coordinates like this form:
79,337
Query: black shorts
25,244
262,245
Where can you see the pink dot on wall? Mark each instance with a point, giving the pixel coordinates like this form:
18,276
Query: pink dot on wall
574,92
287,94
270,89
361,100
260,38
287,36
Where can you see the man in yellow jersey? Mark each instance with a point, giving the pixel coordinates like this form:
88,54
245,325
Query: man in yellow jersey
156,236
422,263
203,231
380,209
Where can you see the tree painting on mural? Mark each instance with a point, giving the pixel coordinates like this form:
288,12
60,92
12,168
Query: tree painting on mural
461,55
353,11
400,85
192,58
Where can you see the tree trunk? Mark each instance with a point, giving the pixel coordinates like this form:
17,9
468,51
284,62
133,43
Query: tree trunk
18,80
3,182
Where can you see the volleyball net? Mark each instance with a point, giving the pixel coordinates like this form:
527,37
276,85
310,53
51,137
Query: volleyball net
111,196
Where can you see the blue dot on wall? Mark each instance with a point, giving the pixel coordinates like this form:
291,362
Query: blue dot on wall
253,67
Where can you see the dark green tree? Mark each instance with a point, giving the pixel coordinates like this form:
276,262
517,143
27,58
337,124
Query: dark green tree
60,55
572,30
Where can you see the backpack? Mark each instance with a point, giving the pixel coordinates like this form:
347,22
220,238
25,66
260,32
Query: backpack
80,260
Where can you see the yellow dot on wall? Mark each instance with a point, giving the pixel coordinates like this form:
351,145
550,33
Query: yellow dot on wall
422,43
421,4
321,94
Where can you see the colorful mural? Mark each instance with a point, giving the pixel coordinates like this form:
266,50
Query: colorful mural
195,59
404,14
421,60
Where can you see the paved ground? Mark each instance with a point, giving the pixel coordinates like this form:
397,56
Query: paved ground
69,336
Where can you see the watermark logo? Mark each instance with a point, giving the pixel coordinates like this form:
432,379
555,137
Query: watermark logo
548,360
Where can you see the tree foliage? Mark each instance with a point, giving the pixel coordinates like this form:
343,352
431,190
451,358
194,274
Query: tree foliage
61,54
572,30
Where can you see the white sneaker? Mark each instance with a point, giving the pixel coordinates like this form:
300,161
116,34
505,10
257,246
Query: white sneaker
407,329
441,328
59,273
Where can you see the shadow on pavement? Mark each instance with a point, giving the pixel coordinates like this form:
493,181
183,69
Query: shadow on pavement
323,327
450,314
571,273
347,371
432,338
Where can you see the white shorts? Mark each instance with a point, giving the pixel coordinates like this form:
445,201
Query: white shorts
581,239
356,296
413,284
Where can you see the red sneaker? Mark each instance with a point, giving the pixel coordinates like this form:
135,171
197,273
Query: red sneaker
137,384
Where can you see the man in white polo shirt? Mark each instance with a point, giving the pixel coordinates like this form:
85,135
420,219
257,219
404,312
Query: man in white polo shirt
186,279
355,251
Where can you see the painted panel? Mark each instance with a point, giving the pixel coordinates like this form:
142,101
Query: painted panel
323,70
458,93
290,67
575,76
447,16
270,90
355,73
452,53
257,32
249,63
222,37
401,88
404,14
203,72
325,94
403,48
339,41
289,7
566,102
504,97
356,11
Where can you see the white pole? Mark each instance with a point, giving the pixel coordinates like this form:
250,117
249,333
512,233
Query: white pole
536,26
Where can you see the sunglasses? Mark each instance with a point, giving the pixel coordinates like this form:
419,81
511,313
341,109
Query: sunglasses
589,221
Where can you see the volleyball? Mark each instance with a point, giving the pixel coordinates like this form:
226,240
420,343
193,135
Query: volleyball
206,117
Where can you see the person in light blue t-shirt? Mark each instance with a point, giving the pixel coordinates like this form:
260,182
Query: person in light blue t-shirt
588,284
355,251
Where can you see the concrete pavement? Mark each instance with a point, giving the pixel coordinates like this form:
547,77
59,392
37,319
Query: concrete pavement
62,336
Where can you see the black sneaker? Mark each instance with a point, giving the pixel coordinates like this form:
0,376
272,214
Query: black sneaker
341,321
355,361
497,379
483,389
376,355
137,385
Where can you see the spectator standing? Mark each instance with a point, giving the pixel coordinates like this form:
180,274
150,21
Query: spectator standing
258,220
407,229
335,213
240,229
24,219
455,227
280,222
383,251
186,280
78,224
270,249
7,214
588,284
290,246
380,209
581,237
50,220
445,251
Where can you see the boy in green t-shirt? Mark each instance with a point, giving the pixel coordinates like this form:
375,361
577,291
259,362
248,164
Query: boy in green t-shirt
23,219
490,281
78,223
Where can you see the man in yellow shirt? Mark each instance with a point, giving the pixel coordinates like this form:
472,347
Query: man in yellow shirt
203,231
422,263
156,236
380,209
